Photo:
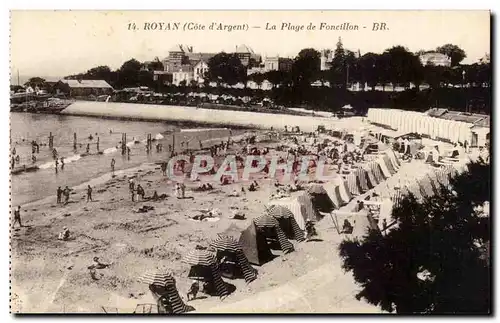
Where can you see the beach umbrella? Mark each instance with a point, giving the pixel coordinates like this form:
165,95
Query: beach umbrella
223,242
199,257
157,278
279,211
205,259
268,222
171,294
229,244
265,221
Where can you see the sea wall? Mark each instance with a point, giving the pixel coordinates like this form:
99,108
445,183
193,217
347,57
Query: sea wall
199,115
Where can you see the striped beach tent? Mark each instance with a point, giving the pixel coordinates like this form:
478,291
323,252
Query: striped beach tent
372,181
253,243
320,199
271,228
383,167
204,266
333,191
353,184
345,194
171,294
393,158
363,179
388,164
287,222
228,247
377,172
309,211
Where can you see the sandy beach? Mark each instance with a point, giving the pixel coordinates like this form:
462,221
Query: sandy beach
50,275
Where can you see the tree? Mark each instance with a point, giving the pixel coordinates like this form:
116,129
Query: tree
455,53
367,65
435,259
226,68
156,65
128,74
35,81
402,65
306,67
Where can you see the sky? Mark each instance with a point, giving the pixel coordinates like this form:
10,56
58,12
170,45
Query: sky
59,43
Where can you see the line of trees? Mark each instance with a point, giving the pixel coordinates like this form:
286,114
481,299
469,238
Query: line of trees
396,66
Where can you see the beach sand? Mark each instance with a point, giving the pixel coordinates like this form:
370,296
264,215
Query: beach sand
49,275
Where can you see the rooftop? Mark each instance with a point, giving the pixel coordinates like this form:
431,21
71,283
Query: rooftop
87,84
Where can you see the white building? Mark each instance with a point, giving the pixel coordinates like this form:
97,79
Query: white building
199,71
184,74
436,59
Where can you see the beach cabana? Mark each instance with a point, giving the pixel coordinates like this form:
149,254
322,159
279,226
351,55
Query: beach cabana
253,243
204,267
385,171
353,184
163,286
363,179
376,170
320,199
270,228
370,175
287,222
333,191
345,194
235,262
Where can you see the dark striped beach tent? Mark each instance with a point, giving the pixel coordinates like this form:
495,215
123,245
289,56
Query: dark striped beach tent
236,263
287,222
376,171
363,179
253,243
345,194
170,293
383,167
394,159
372,181
204,267
270,227
307,207
398,195
320,198
333,191
388,164
353,184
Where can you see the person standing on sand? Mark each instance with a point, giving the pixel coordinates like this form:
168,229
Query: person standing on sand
59,194
164,168
56,164
88,148
140,191
17,216
62,163
66,192
113,165
89,193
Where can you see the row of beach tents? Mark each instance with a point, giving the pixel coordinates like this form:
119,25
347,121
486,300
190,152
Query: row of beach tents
286,219
435,128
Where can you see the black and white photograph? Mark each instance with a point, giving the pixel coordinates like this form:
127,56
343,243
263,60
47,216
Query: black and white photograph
250,162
